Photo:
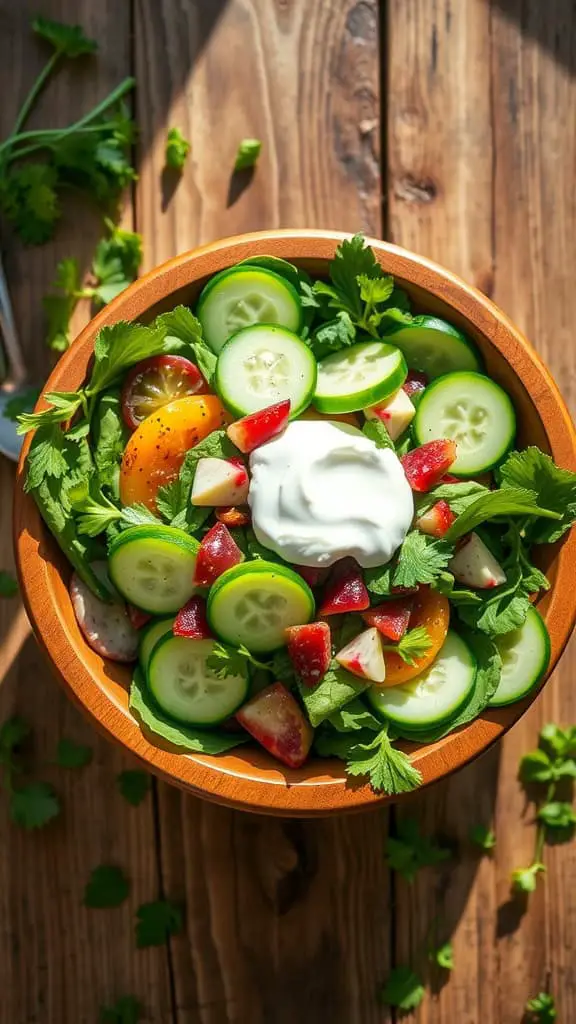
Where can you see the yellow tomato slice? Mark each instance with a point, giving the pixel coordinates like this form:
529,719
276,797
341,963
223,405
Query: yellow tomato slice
156,450
431,610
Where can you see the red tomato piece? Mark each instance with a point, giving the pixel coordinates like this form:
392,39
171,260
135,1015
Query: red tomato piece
191,620
257,428
345,590
415,383
310,650
154,382
390,618
424,466
437,520
218,552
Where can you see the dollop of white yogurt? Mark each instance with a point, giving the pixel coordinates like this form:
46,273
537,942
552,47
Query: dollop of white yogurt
323,490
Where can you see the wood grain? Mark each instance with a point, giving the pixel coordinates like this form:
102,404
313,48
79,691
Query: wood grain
60,961
481,179
287,920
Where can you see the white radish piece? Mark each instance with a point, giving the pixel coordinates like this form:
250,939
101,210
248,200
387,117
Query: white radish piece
106,627
475,565
396,413
218,482
363,656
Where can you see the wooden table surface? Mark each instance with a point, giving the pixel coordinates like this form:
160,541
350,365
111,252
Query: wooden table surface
446,126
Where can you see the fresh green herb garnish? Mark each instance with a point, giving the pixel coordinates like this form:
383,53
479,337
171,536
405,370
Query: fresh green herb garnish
133,785
70,754
180,323
509,501
483,837
403,989
552,762
247,155
353,717
33,804
409,851
173,501
541,1009
95,512
232,661
336,688
126,1010
443,956
554,488
107,887
156,922
421,559
388,769
8,585
177,149
412,646
376,432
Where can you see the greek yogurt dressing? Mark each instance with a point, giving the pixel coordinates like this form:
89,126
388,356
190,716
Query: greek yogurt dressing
322,490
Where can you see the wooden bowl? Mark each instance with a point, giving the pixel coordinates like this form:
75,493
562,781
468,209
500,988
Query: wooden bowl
249,778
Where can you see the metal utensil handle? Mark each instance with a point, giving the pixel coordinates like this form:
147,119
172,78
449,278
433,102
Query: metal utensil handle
17,374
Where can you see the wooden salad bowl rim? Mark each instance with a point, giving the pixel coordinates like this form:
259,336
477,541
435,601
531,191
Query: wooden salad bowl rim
248,778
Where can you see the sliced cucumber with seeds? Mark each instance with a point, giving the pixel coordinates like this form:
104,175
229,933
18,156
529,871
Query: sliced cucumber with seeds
246,295
262,365
253,603
359,376
149,637
434,347
153,567
525,655
185,687
473,411
433,697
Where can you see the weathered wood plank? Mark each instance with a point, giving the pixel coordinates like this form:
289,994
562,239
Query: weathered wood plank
287,920
59,961
480,179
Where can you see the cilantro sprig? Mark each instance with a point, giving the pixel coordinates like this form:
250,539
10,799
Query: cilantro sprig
545,769
388,769
541,1009
412,646
157,921
227,661
176,150
409,851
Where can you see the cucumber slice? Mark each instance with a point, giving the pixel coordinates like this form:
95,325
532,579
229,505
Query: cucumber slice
262,365
185,687
435,695
359,376
246,295
434,347
525,655
279,266
149,637
253,603
153,567
473,411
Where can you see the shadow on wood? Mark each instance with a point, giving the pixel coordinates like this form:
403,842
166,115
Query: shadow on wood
549,24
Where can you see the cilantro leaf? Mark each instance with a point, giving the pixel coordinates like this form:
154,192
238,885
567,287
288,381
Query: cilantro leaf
333,335
561,742
403,989
116,263
109,435
227,661
133,785
353,259
409,851
389,769
177,149
458,496
62,407
156,922
421,560
8,585
413,645
29,201
184,328
541,1009
248,153
375,431
70,754
524,879
66,39
555,489
536,767
118,347
509,501
19,403
483,837
444,956
126,1010
557,815
34,805
107,887
375,290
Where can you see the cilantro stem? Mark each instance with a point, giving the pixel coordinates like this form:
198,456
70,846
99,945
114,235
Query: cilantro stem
109,101
34,93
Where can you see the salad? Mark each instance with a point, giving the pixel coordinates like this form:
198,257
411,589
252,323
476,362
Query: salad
299,512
